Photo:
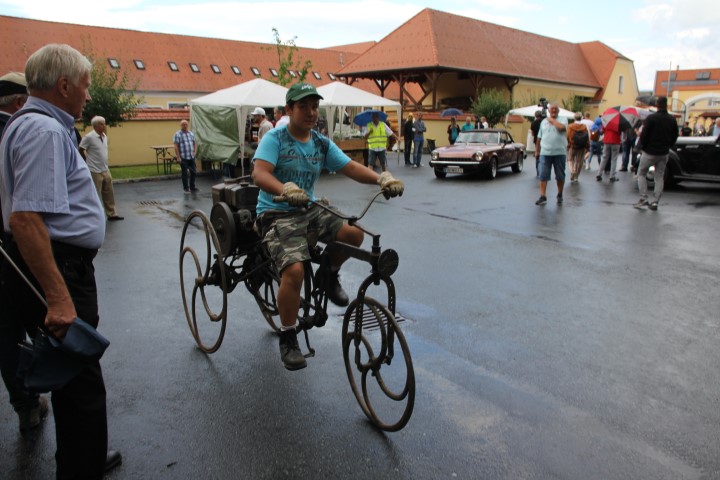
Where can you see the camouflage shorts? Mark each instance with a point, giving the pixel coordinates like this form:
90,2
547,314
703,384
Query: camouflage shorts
287,235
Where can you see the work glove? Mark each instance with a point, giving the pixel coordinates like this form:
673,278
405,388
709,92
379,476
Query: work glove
295,195
391,186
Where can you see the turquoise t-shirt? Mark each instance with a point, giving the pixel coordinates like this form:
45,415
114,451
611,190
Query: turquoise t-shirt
553,142
298,162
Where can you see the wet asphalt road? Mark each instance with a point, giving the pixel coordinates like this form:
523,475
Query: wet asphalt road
572,342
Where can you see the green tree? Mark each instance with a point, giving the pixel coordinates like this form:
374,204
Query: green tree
573,103
112,93
286,52
492,105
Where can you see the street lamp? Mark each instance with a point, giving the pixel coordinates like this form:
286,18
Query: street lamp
683,112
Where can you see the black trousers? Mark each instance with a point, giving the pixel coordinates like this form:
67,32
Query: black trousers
78,407
408,149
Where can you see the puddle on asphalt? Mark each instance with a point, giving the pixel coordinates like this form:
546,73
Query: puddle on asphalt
174,210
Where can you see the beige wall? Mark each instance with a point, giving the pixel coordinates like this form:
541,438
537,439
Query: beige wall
129,144
612,96
697,103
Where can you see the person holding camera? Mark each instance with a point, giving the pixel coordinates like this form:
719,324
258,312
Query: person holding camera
535,129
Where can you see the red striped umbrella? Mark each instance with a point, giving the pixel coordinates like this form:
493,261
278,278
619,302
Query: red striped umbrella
620,118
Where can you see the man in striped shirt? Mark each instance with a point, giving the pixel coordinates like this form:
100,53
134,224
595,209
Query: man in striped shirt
185,149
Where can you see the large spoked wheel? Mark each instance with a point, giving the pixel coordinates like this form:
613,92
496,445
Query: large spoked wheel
203,282
263,283
378,364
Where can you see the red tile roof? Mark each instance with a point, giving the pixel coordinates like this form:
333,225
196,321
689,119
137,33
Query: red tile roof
687,80
162,114
21,37
451,42
434,39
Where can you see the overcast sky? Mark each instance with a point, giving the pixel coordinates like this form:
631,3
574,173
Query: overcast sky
655,34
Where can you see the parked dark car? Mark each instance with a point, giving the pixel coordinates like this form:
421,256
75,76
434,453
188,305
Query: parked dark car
692,158
483,151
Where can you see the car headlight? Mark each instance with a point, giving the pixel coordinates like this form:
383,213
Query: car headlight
434,155
477,156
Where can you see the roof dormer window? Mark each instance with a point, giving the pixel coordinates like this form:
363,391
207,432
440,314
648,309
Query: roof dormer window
194,67
235,70
292,73
139,64
274,72
332,77
215,68
317,75
255,71
114,63
173,66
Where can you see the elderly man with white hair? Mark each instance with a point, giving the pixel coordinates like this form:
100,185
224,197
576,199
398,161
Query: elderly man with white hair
55,225
94,148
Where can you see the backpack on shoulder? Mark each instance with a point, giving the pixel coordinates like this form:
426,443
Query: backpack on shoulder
580,139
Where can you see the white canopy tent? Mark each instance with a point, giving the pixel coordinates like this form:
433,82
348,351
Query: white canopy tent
218,119
337,96
530,110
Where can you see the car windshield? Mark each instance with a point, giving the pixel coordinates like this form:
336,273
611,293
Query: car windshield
479,137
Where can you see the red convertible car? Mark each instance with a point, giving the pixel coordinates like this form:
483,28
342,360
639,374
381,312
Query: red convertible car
482,151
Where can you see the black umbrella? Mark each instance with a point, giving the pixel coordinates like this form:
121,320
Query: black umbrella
49,363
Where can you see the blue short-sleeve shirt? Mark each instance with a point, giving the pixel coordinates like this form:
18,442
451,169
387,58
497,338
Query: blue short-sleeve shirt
41,171
298,162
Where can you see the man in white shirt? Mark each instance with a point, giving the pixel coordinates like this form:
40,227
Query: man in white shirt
280,117
94,149
264,124
587,121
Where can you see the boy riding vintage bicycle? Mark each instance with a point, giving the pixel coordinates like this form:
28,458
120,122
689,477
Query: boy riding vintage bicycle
287,164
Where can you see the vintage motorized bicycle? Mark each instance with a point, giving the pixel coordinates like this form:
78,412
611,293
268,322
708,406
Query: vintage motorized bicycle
223,251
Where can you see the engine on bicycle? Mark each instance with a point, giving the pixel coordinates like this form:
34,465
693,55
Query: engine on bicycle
233,216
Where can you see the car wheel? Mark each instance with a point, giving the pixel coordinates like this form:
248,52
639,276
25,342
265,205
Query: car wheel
492,169
518,166
439,173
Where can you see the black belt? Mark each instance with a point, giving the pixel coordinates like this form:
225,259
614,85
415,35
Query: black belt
61,249
65,250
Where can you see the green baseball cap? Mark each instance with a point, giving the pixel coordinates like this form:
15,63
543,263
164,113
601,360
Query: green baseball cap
300,91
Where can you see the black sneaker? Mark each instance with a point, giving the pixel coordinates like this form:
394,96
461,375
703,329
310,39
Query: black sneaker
542,200
614,179
290,353
559,198
599,178
334,290
641,203
653,206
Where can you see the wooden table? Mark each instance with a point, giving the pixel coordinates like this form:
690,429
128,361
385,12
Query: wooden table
165,155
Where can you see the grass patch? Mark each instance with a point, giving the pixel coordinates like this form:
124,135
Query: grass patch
137,171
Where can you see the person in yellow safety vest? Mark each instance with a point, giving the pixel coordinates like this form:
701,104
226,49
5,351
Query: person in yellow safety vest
376,136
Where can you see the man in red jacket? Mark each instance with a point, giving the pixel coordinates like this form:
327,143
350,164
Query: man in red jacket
611,150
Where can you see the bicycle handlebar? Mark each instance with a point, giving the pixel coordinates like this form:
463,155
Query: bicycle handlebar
349,218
